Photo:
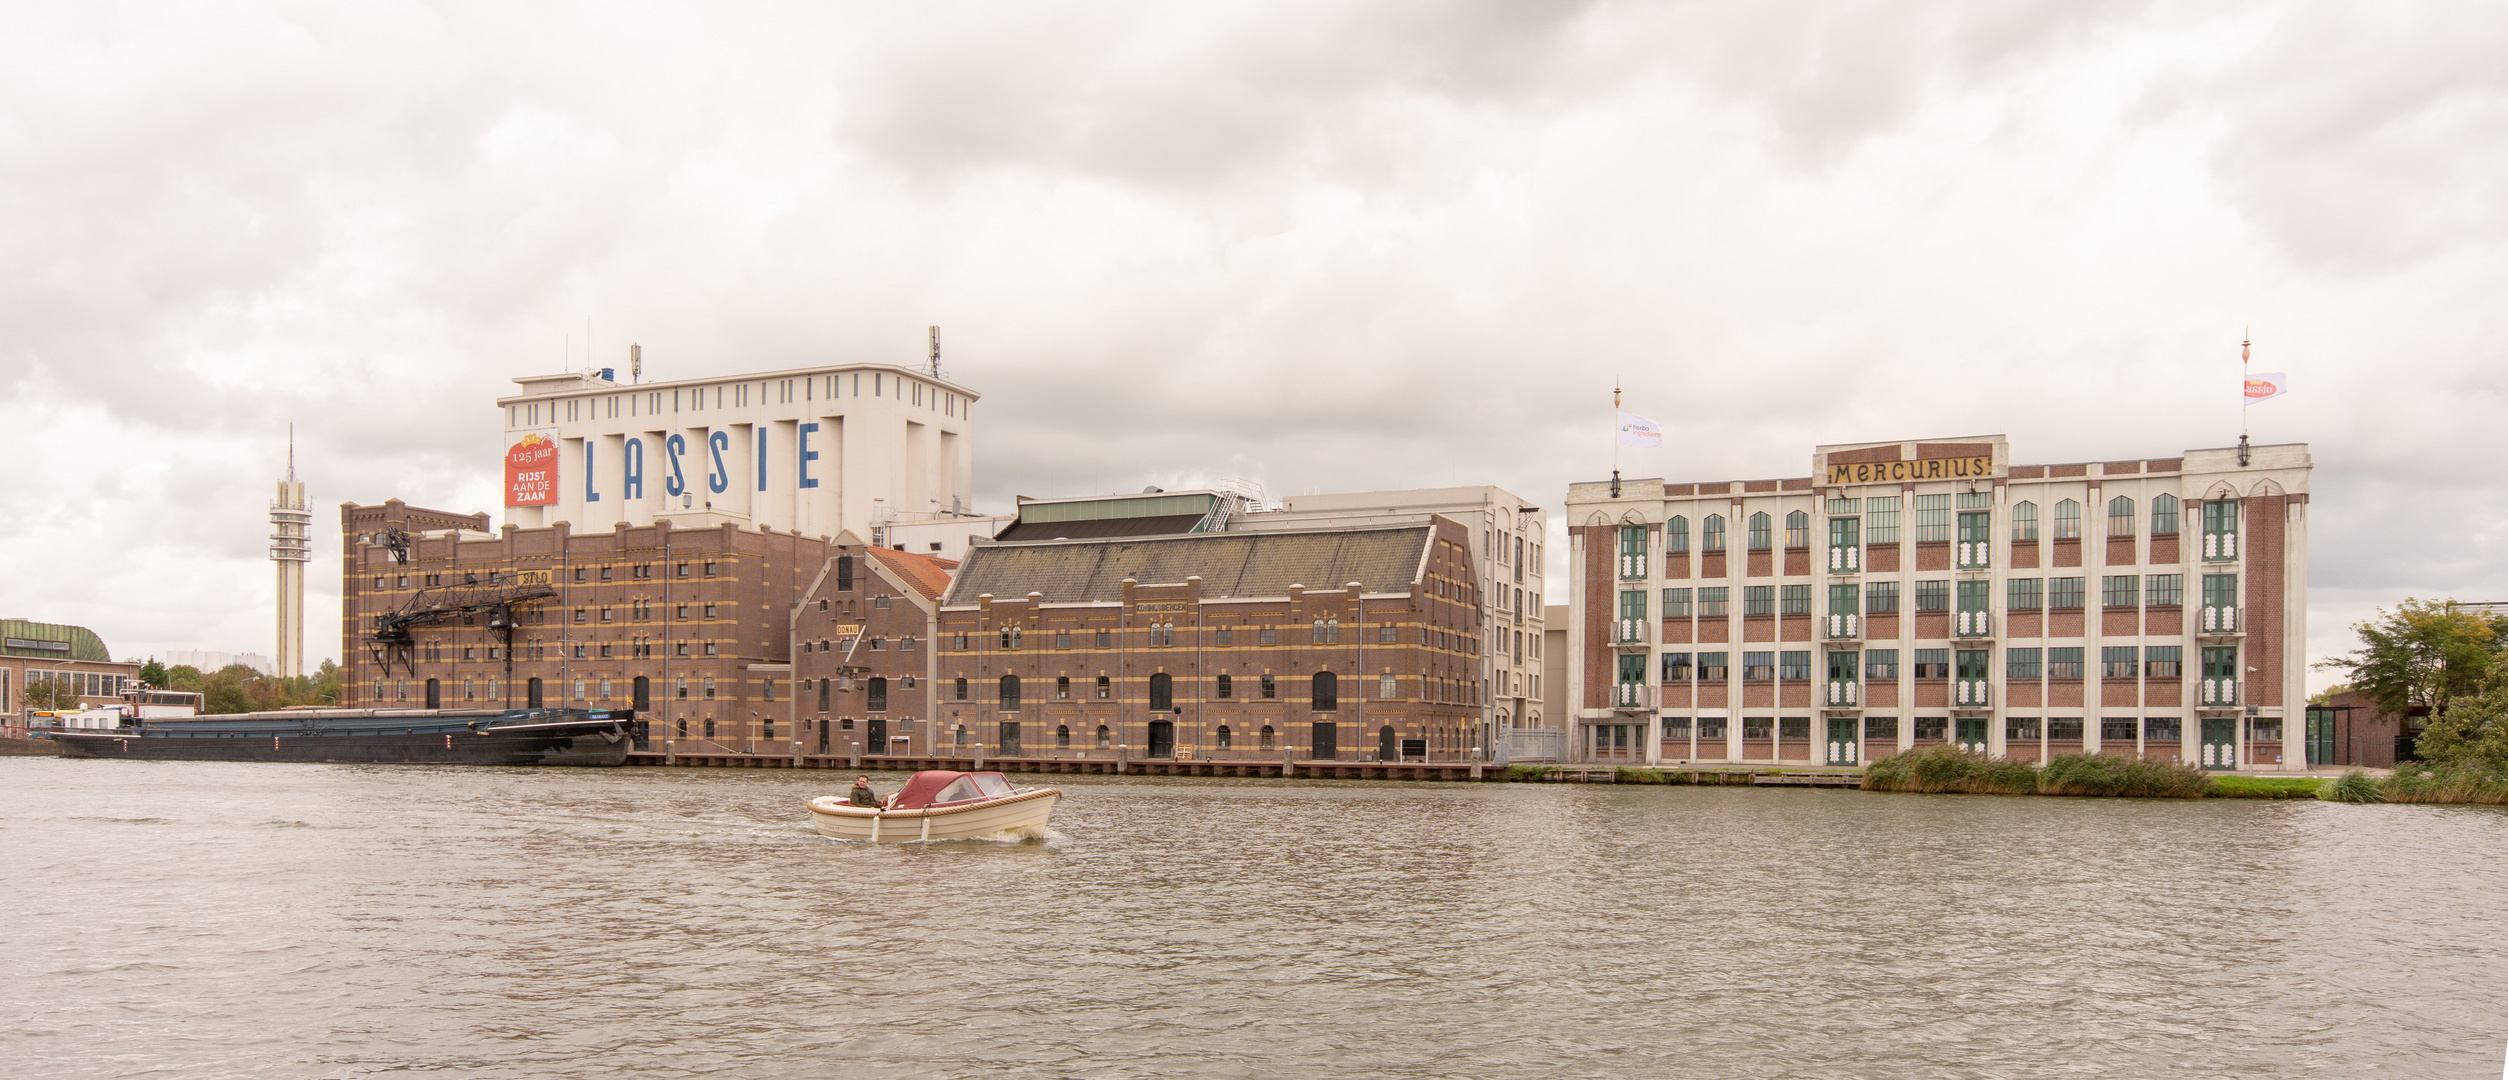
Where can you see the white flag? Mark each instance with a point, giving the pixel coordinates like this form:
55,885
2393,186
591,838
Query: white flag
1636,430
2265,386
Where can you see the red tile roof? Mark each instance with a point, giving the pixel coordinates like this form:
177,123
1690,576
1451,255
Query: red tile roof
928,575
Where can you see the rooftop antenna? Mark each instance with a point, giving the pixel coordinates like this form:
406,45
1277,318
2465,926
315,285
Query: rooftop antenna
1615,437
635,364
935,369
291,450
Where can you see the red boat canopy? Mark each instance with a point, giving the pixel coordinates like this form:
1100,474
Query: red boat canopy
940,787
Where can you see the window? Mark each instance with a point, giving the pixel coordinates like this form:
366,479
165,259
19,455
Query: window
2068,520
2066,593
1712,667
2063,663
2063,729
1758,727
2220,590
2120,516
579,615
1265,638
709,611
1710,727
1105,688
1798,530
1712,602
1105,739
879,644
1934,728
1933,519
2164,661
1711,533
1933,596
1385,687
1676,603
1269,688
2120,590
1676,536
2120,662
2020,729
1009,693
1933,664
709,688
960,688
1162,692
1881,664
709,569
1881,730
1062,687
2118,730
1632,605
1758,666
1326,691
1881,598
875,695
2026,594
1794,666
1223,636
1758,599
1794,600
2163,729
2020,663
2164,590
1760,538
2025,521
1633,541
1676,667
1676,729
2164,516
1881,520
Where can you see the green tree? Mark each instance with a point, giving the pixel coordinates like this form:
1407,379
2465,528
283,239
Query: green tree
152,673
2473,732
2422,655
51,695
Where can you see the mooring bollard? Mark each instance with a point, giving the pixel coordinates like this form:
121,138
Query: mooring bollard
670,751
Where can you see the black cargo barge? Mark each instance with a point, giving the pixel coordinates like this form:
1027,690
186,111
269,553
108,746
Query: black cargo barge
374,736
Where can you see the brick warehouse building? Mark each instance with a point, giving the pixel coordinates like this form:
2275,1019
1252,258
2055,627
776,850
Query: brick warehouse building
1918,593
690,627
862,651
1351,644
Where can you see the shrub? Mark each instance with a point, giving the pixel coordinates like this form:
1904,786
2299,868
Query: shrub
2417,783
2354,787
1527,773
2121,777
1938,769
2265,787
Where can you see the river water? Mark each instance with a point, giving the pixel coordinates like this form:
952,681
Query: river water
216,920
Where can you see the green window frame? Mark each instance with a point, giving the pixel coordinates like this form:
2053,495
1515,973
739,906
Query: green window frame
1761,536
1933,596
1844,599
2020,663
2066,593
2120,590
1798,530
2220,590
2165,514
2164,590
2025,521
1633,540
1933,519
1633,604
1676,603
1976,595
1758,600
1794,600
2068,520
2120,516
1842,665
1711,533
1881,521
1676,536
1715,602
2024,594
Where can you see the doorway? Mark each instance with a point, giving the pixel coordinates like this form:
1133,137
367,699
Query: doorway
531,693
875,735
1326,744
435,694
644,693
1385,748
1842,740
1010,738
1971,733
1162,738
2220,742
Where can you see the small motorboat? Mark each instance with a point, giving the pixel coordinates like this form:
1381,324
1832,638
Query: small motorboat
940,805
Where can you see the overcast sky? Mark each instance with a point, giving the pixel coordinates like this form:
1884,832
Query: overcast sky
1319,246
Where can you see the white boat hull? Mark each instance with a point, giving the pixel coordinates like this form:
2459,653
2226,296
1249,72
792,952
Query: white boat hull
1023,814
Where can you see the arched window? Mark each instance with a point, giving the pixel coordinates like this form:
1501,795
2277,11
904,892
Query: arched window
1760,540
961,734
644,692
1009,692
1318,638
1105,738
2165,515
2068,520
2120,516
1798,530
1676,536
1224,737
1062,736
1327,692
1266,737
680,730
2025,521
709,727
1711,533
1162,692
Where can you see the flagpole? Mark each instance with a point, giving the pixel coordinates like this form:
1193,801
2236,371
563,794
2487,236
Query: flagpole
1615,436
2245,356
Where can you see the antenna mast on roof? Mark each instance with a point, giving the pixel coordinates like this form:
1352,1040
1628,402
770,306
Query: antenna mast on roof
933,367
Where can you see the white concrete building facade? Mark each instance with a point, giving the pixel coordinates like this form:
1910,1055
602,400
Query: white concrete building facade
1920,593
811,450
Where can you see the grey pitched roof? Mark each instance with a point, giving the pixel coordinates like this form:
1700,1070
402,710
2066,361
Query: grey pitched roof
1229,564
